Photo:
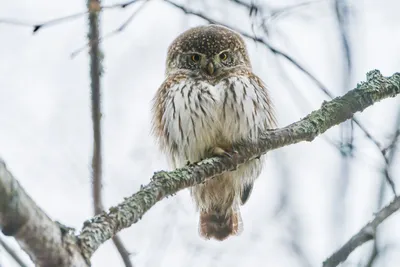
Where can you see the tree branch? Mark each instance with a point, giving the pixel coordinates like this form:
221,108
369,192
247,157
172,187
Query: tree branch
365,234
96,57
103,226
41,238
48,244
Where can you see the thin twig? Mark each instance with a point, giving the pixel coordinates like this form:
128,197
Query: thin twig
346,129
125,254
342,16
112,33
253,8
12,253
39,26
365,234
96,57
278,12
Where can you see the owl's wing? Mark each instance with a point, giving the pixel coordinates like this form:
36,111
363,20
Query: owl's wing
246,191
247,110
262,103
160,102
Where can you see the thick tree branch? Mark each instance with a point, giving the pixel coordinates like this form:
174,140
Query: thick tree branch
365,234
44,240
103,226
48,244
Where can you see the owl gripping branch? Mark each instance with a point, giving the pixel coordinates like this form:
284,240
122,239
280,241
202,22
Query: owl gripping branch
14,219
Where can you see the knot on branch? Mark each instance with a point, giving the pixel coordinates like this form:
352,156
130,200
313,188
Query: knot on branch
373,74
157,176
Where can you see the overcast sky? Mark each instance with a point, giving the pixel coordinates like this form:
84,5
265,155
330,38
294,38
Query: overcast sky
46,136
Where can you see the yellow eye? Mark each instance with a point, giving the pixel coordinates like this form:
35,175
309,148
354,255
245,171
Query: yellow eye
223,56
196,58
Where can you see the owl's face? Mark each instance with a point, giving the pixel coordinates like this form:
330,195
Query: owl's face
207,52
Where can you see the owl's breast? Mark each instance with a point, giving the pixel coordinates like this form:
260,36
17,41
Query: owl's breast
245,109
199,115
191,120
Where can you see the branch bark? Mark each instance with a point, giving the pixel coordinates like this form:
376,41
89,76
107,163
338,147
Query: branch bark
163,184
41,238
22,218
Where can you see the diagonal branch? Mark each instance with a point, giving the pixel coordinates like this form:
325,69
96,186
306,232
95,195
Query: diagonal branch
365,234
22,218
46,243
163,184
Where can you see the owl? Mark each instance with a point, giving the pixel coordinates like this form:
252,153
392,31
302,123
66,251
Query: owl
210,100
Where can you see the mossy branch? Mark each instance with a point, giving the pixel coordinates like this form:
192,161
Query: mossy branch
14,202
103,226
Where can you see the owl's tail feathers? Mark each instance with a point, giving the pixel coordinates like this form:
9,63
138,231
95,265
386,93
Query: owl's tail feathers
220,226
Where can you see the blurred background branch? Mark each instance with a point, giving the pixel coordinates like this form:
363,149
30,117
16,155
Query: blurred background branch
367,233
96,69
352,52
12,253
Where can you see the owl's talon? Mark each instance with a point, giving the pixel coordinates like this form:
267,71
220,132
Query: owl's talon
219,152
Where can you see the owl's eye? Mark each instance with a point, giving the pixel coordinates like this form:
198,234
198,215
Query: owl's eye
195,58
223,56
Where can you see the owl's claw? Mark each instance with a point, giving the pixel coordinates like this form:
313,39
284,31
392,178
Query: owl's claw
220,152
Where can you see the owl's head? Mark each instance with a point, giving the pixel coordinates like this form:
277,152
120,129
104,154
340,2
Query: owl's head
207,51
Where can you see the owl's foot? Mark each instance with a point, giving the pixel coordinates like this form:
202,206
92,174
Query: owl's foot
220,152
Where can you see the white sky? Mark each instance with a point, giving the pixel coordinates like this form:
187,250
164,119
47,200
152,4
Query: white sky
46,137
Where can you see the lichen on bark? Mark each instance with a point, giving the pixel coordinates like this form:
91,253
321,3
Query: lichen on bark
164,183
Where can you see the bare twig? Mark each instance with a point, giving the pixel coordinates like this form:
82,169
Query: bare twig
96,57
346,129
39,26
112,33
374,254
278,12
252,7
365,234
341,11
163,184
12,253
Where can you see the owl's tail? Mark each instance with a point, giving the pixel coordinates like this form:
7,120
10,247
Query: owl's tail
219,225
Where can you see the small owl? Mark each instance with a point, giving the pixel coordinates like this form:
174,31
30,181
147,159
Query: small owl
210,100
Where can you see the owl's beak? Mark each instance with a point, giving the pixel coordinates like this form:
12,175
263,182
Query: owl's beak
210,68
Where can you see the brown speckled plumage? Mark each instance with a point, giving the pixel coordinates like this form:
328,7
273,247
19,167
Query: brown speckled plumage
209,100
209,40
